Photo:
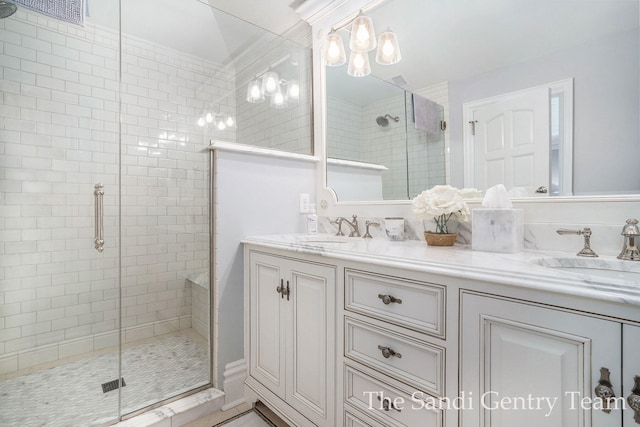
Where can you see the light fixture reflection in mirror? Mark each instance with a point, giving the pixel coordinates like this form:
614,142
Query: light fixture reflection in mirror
254,93
594,43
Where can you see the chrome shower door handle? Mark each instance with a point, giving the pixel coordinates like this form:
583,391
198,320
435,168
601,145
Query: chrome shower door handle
98,192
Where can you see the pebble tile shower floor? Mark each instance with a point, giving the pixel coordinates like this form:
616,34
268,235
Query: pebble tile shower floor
71,394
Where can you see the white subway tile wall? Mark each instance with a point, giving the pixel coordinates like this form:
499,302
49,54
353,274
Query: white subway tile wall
59,135
415,159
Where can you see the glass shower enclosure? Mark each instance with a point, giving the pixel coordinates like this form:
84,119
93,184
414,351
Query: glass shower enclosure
104,202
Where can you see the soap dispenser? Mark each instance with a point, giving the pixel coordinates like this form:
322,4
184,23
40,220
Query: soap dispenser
631,233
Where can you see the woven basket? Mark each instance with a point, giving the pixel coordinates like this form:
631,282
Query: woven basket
439,239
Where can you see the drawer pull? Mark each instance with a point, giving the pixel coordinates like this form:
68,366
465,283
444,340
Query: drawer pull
387,403
388,299
387,352
634,399
604,390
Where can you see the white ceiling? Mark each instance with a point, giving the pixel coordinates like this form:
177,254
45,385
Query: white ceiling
440,39
217,30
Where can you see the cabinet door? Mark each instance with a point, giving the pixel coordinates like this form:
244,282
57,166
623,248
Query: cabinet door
267,317
532,366
311,355
630,369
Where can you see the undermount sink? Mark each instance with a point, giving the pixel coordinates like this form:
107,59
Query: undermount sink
325,238
605,268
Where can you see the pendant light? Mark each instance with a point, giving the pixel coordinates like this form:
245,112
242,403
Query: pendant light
388,52
254,92
359,65
270,83
334,50
363,37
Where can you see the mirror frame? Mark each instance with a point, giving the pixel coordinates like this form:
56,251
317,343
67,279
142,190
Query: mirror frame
322,16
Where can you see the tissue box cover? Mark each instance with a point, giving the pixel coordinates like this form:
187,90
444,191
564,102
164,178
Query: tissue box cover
497,230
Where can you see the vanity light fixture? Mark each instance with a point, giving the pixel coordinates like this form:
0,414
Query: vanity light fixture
361,41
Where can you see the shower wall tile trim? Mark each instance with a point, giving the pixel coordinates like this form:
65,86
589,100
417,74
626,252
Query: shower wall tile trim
58,137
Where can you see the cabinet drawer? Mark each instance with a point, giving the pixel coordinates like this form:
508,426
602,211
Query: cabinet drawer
418,306
363,392
351,420
408,360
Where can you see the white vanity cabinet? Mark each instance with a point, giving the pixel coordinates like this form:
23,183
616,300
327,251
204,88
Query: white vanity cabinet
532,365
291,340
365,333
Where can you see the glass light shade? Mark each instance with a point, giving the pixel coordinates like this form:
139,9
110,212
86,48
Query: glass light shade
209,117
270,83
334,50
363,36
359,65
254,93
230,122
293,90
201,122
220,124
388,52
278,101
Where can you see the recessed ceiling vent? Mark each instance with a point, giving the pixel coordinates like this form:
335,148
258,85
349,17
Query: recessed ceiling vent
398,80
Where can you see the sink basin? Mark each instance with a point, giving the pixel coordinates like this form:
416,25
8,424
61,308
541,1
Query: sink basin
326,238
605,268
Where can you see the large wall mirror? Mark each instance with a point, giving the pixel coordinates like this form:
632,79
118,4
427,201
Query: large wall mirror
562,76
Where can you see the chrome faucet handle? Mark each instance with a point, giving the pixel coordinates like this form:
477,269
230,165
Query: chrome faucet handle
631,233
586,232
368,235
355,232
338,222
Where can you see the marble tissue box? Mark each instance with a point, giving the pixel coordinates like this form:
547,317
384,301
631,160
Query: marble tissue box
497,230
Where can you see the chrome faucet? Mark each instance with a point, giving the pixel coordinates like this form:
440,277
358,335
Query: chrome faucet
367,224
586,232
355,232
631,233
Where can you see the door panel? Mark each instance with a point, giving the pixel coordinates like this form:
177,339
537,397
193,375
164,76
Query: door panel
517,350
311,293
511,141
267,336
630,369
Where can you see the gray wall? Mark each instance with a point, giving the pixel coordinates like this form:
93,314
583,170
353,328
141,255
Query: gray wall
254,195
606,109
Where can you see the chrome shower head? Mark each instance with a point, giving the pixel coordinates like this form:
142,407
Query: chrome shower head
384,120
7,9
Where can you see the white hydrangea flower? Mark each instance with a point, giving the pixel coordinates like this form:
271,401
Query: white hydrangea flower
440,202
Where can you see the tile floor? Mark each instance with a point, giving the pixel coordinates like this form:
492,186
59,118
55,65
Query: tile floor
71,394
249,419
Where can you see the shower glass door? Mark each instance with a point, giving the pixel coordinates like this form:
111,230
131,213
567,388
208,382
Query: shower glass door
59,233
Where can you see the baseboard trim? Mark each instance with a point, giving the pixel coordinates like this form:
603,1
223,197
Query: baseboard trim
233,385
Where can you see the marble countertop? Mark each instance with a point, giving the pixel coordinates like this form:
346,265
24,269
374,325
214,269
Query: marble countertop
532,269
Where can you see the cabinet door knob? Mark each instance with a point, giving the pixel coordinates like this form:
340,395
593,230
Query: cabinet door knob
387,352
634,399
388,299
604,390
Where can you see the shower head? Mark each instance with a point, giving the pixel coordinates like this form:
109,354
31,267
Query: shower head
384,120
7,9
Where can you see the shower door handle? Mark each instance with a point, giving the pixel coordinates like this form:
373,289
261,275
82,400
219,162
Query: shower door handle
98,192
